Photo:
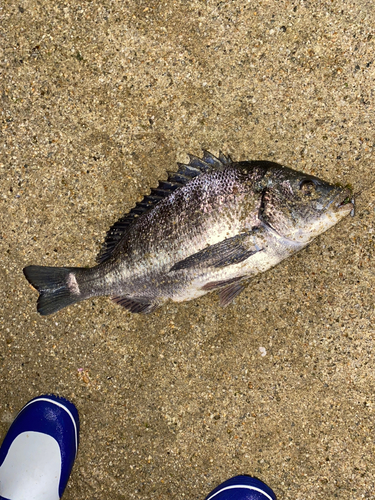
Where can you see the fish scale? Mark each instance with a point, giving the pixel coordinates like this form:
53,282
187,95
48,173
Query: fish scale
211,226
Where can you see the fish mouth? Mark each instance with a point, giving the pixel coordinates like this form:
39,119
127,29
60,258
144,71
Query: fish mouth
344,202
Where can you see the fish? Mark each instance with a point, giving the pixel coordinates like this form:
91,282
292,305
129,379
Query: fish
211,226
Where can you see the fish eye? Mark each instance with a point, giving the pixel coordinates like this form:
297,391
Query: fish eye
306,186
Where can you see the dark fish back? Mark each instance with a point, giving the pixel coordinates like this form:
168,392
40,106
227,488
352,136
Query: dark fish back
185,173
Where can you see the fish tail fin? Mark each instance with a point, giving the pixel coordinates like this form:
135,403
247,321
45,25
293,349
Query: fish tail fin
57,287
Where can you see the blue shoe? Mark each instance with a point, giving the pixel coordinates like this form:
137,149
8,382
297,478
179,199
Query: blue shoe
39,450
242,488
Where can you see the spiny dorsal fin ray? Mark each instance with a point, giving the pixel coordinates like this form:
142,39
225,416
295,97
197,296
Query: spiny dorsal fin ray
184,174
209,162
226,160
219,163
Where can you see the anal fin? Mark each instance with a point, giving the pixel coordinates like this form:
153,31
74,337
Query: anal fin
135,304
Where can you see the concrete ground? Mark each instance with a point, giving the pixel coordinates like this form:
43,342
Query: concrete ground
98,100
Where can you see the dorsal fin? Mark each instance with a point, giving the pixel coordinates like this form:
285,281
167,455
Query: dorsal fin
184,174
219,163
209,162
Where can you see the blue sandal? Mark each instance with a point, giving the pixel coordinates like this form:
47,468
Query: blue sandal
242,488
38,452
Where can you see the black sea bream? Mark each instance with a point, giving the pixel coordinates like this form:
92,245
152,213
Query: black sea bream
211,226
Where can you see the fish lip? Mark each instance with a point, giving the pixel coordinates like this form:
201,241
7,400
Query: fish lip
340,204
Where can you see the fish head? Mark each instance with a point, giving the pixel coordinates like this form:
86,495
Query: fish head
299,207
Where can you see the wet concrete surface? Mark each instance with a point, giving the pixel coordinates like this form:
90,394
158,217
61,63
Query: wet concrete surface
98,100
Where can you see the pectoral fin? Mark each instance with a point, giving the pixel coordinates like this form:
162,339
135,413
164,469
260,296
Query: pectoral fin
225,253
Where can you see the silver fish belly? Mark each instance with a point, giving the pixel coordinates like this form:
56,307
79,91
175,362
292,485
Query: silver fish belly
213,225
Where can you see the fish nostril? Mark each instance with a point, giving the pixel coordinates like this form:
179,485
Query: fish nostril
306,186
